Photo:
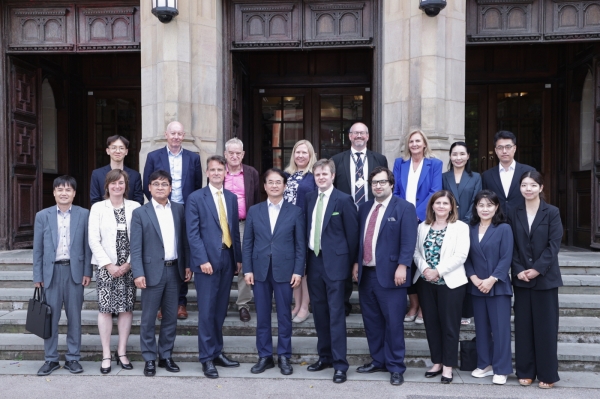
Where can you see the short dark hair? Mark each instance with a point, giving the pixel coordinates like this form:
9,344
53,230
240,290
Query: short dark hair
116,137
468,163
505,134
378,169
276,171
160,175
218,158
493,198
65,180
115,175
538,177
323,162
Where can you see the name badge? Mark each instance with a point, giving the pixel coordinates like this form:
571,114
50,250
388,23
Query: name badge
121,226
360,182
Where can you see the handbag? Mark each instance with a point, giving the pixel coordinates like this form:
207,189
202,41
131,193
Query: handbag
39,315
468,355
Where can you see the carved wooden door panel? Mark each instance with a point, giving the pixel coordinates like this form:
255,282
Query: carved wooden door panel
596,167
25,146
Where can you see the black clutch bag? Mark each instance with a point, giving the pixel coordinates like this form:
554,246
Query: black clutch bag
39,315
468,355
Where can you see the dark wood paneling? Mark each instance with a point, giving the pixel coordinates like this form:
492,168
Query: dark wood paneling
330,23
108,29
39,29
595,227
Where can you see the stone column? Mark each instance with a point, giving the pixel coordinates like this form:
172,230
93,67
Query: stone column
423,79
181,76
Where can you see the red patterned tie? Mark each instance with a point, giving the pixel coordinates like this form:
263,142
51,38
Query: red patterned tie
368,247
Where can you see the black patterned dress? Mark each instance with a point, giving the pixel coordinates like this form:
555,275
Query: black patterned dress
117,294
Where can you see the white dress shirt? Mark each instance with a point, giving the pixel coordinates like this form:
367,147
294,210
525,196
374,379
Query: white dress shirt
506,176
176,169
382,210
274,210
353,160
63,249
326,196
215,196
413,182
164,214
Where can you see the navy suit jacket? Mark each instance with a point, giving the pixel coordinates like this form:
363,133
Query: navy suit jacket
205,236
339,233
306,185
147,246
430,181
45,241
191,171
490,180
491,257
396,241
537,249
343,172
97,185
465,192
284,249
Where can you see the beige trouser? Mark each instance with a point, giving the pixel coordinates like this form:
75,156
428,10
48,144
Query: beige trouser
244,290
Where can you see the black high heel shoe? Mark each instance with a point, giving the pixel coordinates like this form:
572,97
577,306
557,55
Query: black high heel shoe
447,380
105,370
127,366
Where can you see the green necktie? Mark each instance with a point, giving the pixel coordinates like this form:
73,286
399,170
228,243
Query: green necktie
318,221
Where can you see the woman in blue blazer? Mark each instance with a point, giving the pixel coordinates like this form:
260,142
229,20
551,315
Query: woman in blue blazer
488,266
538,230
300,181
418,176
464,184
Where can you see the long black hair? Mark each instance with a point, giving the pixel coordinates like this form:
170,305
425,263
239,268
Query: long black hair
493,198
468,163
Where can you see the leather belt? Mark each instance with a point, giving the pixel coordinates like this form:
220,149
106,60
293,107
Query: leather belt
370,268
63,262
171,262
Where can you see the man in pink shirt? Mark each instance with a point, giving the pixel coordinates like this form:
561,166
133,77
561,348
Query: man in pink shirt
243,181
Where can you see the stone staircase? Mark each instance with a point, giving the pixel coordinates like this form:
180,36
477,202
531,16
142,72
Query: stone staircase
579,331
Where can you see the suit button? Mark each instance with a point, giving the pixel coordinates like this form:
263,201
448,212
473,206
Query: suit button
531,260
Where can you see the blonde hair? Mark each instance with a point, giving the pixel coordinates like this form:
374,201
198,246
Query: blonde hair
292,168
427,153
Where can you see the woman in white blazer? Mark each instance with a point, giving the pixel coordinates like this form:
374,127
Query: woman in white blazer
109,227
440,254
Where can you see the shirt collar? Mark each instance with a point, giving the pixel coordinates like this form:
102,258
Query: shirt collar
159,206
512,166
354,152
175,155
60,212
214,190
326,192
385,203
240,173
269,203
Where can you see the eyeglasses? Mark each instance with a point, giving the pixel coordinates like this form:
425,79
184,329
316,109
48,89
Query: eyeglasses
379,183
275,183
157,185
360,133
505,147
115,148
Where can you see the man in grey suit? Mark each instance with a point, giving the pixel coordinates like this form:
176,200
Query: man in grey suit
62,266
159,253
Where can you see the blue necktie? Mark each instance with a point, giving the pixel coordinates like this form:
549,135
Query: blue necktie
359,192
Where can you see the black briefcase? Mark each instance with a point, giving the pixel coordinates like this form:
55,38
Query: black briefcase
468,355
39,315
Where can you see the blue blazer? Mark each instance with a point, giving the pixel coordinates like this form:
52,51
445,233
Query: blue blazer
430,181
491,257
205,237
284,249
396,241
465,192
97,185
191,174
490,180
45,241
339,233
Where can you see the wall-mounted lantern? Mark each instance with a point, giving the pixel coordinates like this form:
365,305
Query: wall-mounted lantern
432,7
165,10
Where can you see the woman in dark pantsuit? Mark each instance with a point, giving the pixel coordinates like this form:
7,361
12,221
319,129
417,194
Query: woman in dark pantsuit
537,230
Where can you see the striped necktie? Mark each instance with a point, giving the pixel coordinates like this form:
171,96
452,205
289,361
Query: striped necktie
359,192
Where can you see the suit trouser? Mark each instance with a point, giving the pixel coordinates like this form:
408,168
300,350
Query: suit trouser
536,334
164,296
327,298
442,308
263,299
63,290
383,311
492,328
467,306
213,292
244,290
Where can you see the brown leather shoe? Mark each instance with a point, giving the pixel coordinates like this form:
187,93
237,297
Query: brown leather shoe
182,312
244,315
159,315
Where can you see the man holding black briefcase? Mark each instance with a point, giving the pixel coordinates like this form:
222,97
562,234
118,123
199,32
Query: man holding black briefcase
62,266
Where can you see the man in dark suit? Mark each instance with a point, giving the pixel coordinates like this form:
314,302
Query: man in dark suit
214,237
274,255
242,180
117,148
186,174
504,180
388,235
352,169
62,266
332,235
159,254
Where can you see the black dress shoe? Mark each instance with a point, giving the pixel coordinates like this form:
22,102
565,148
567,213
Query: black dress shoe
169,365
105,370
48,368
370,368
284,365
263,364
339,376
73,366
209,369
150,368
430,374
318,366
396,379
224,361
447,380
244,315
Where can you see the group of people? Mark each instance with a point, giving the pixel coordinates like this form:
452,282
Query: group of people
325,223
